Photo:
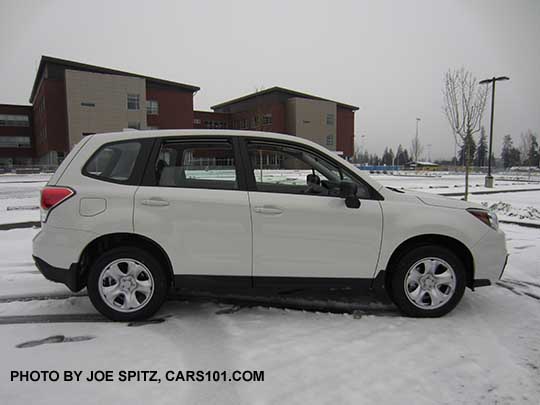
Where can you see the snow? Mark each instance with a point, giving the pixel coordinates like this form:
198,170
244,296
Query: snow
19,197
486,351
523,206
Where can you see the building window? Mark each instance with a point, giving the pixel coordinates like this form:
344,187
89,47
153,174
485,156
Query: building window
14,141
152,107
86,104
330,119
134,125
267,119
15,120
197,121
330,140
133,102
41,107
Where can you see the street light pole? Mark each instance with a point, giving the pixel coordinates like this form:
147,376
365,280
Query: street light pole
489,178
416,146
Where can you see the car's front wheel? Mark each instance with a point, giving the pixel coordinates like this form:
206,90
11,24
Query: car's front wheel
429,281
127,284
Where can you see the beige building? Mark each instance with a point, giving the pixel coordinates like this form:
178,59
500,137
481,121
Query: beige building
98,102
312,119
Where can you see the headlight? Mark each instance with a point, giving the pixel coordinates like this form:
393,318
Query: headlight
487,217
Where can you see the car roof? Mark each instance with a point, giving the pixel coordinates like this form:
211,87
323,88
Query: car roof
163,133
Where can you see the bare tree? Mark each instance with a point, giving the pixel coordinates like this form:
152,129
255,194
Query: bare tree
525,146
464,104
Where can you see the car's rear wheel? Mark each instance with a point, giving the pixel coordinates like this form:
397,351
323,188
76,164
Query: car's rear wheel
126,284
429,281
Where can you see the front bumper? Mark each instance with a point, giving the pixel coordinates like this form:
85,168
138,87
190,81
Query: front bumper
490,258
69,277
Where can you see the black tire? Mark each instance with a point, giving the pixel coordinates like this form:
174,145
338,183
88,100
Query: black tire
398,274
160,281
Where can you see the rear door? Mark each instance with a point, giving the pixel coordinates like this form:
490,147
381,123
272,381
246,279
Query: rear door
302,229
193,203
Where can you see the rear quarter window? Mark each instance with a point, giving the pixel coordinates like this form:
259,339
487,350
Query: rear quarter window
115,162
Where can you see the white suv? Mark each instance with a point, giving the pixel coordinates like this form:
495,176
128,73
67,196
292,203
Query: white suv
130,215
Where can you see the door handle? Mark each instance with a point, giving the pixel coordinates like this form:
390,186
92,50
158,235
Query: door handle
265,210
155,202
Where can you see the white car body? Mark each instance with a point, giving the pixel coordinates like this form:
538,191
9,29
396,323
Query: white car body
257,235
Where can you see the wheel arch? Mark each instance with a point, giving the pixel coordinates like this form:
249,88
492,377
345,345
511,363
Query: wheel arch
122,239
454,245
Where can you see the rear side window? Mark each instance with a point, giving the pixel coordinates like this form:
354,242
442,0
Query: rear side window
209,165
114,162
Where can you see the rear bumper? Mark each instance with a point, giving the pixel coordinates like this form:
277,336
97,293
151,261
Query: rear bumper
69,277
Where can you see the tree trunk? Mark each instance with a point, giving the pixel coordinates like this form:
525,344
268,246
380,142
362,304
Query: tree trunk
467,165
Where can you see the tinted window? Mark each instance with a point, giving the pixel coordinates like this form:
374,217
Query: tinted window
285,169
114,162
196,165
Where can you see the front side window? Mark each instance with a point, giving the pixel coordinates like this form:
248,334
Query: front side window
209,165
133,102
114,162
292,170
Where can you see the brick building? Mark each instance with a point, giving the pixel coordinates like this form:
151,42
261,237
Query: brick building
70,100
15,134
329,123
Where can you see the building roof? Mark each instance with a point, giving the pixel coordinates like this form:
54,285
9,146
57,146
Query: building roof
98,69
277,89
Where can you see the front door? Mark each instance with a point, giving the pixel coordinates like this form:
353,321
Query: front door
301,227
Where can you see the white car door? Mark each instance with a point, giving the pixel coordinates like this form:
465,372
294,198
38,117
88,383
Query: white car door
301,227
195,209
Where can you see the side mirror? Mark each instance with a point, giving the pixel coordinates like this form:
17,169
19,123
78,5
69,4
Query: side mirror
348,190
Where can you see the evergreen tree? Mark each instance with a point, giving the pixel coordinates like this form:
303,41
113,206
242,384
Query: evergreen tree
402,156
533,157
509,155
405,158
469,141
482,150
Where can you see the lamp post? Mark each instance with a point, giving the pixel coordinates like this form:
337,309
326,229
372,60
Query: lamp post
489,178
416,147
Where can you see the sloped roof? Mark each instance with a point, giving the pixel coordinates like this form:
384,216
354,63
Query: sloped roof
277,89
98,69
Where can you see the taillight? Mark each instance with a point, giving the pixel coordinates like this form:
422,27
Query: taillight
52,197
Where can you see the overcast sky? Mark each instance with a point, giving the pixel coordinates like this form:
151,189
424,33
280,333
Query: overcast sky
387,57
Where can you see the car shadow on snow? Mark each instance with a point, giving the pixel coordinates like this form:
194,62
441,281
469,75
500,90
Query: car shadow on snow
340,302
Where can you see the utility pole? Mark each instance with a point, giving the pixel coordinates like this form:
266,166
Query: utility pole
489,178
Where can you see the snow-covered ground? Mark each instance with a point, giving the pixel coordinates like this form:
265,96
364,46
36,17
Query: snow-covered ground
486,351
19,197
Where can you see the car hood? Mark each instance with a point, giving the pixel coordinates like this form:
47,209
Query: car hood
441,201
